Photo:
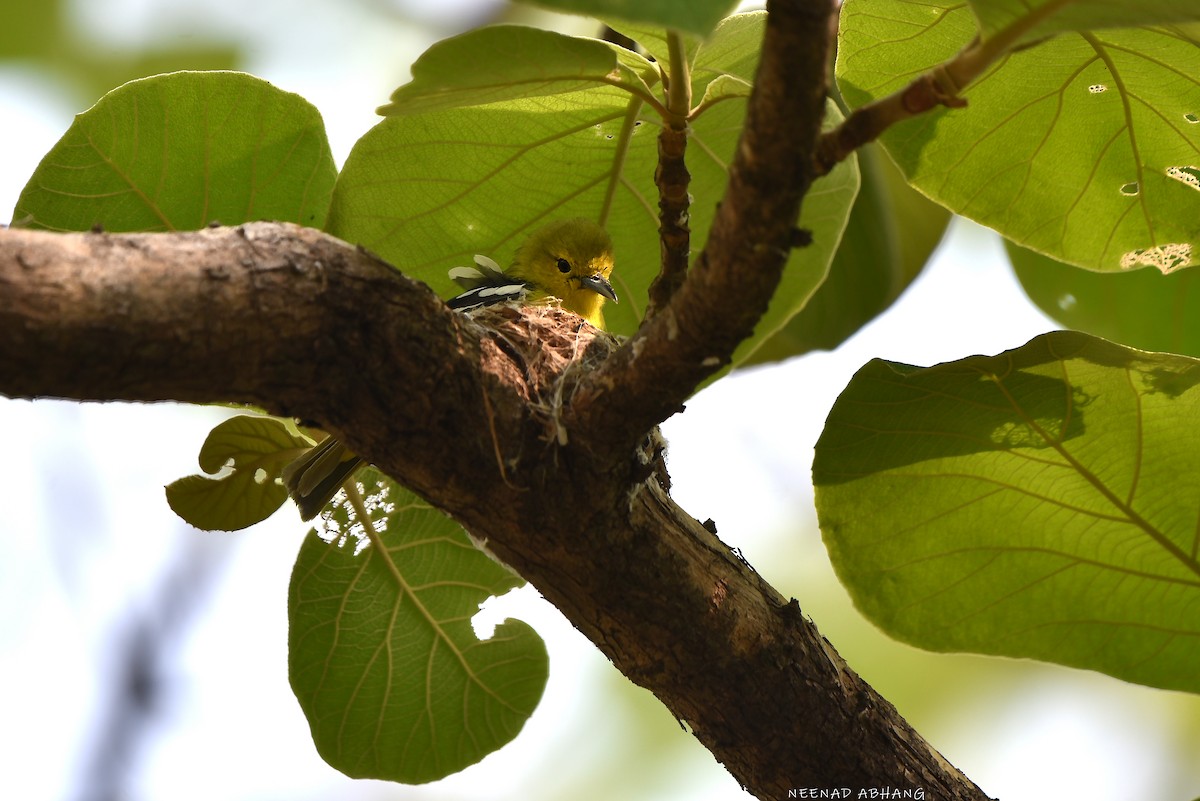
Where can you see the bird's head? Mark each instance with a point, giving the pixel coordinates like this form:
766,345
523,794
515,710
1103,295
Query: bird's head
571,260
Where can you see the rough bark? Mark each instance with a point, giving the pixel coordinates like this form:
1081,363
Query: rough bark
570,496
290,319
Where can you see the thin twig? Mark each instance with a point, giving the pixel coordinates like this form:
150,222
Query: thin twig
941,85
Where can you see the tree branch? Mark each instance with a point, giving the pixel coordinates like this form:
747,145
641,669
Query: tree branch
866,123
567,492
939,86
288,317
732,281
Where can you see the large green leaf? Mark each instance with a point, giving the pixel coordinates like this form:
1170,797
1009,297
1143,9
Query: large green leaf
505,62
1142,308
382,655
429,190
1072,148
697,17
1040,503
46,37
249,452
1048,17
183,150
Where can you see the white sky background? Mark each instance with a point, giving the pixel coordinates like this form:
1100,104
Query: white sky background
87,535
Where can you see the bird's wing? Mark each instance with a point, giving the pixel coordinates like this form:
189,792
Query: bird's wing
486,284
484,272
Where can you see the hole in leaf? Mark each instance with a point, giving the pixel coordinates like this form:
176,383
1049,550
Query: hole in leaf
499,608
1192,118
1185,175
1167,258
1130,189
260,476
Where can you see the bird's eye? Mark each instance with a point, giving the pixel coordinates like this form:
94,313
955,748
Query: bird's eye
564,266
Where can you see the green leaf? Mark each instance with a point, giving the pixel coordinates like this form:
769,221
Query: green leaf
249,451
726,62
428,191
382,656
653,39
1072,148
1049,17
1142,308
892,231
1031,504
503,62
179,151
724,87
697,17
33,30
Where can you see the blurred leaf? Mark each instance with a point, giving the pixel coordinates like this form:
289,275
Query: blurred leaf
31,30
1031,504
697,17
254,450
499,63
892,231
95,70
1049,17
427,191
1066,147
1142,308
46,34
382,655
179,151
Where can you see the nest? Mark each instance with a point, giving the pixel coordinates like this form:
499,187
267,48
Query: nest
543,351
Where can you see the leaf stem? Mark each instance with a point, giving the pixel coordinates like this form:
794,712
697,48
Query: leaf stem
639,90
679,90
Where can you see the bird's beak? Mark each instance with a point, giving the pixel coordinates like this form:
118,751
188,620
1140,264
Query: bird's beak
598,284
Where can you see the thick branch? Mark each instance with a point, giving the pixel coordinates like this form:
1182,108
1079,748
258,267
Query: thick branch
289,318
283,317
304,325
732,281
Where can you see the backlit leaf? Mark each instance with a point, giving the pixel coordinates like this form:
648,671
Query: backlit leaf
697,17
1142,308
429,190
1041,503
502,62
1048,17
381,652
180,151
249,451
1079,148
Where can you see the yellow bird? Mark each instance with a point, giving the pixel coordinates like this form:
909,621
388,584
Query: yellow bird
570,261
